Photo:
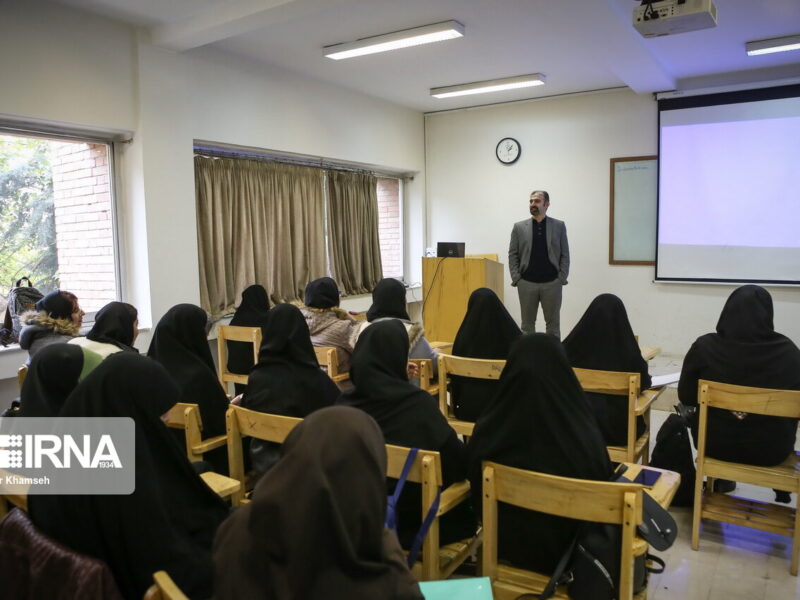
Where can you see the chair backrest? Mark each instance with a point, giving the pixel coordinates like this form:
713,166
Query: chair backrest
585,500
477,368
426,383
614,383
328,358
164,588
740,398
243,422
426,470
235,333
760,401
187,417
22,372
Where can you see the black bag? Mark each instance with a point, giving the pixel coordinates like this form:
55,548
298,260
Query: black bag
673,452
20,299
590,567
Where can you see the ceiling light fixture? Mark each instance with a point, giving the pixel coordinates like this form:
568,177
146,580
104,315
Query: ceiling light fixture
393,41
492,85
780,44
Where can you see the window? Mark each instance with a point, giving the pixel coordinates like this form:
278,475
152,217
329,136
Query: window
56,223
390,226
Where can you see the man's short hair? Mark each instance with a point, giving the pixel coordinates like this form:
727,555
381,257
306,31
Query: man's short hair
543,193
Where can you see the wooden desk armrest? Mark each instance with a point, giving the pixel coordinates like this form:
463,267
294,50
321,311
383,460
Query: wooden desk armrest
210,444
646,398
453,496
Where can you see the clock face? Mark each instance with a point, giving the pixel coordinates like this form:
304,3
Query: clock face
508,151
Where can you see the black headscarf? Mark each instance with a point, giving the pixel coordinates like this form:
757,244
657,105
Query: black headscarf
56,304
113,324
180,344
408,416
322,293
52,375
252,312
487,331
388,300
539,420
315,526
603,340
287,379
745,350
169,521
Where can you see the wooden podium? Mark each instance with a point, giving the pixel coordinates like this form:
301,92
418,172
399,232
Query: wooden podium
446,286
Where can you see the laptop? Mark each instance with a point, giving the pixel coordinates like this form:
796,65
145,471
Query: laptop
455,249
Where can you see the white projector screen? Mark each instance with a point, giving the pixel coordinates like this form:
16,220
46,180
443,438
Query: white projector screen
729,187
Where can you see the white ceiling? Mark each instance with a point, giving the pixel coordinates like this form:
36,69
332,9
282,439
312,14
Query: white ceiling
580,45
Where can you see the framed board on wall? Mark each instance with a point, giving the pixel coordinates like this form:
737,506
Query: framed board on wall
632,223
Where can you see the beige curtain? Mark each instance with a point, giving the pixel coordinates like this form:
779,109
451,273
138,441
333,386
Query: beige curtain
354,246
257,222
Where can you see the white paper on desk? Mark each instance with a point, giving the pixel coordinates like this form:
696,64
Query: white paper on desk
662,380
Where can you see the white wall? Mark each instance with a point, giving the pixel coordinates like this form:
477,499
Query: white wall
566,146
73,68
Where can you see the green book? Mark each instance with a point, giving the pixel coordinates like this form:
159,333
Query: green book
474,588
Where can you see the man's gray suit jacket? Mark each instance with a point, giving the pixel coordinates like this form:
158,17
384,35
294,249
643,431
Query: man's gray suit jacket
519,250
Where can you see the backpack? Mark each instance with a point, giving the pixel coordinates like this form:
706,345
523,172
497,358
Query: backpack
20,300
673,452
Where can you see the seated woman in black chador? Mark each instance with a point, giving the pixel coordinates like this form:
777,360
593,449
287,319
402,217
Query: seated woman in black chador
408,416
747,351
389,302
603,340
180,344
287,379
487,331
252,312
115,328
54,372
315,526
168,522
539,420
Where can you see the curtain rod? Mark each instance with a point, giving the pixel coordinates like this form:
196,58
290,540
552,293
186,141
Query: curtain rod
286,160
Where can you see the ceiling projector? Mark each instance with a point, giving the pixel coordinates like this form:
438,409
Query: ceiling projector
668,17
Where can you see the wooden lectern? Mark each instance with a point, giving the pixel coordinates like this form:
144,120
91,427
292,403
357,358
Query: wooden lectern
446,286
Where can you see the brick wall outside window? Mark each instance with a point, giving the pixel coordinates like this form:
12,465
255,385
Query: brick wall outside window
84,238
390,227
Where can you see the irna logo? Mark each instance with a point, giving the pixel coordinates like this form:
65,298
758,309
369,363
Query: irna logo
35,451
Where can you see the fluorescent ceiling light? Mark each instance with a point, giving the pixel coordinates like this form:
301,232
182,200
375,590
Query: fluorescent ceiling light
493,85
781,44
393,41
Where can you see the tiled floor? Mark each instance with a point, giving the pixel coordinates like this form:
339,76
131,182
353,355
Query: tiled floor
732,562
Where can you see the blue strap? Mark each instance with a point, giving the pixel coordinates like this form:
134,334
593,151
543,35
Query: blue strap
391,509
423,530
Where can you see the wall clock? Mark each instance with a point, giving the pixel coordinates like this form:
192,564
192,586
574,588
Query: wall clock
508,151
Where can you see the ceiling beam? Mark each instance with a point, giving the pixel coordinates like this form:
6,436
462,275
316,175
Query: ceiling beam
226,20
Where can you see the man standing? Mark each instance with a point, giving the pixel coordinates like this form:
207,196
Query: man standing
538,258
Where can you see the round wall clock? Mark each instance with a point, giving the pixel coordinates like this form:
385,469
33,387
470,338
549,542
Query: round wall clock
508,151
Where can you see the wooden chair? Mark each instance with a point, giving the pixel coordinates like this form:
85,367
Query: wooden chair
22,372
234,333
595,501
477,368
618,383
437,562
187,417
426,380
244,422
764,516
164,588
328,358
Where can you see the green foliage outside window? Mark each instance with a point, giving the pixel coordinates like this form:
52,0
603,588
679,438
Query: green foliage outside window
27,216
